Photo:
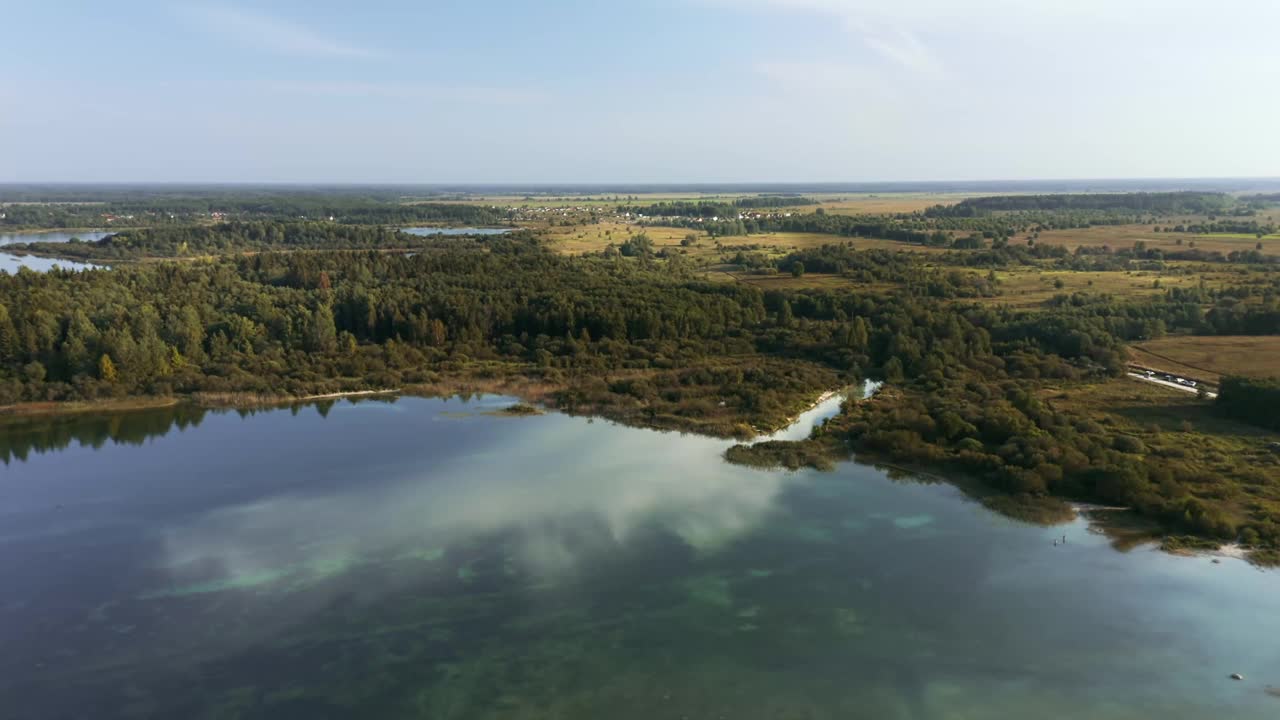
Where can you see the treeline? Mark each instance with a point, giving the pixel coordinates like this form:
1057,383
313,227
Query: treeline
167,242
1238,227
774,201
696,216
307,322
718,208
168,210
1140,251
913,228
298,323
1253,400
1199,203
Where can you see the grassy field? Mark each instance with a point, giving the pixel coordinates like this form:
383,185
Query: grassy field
580,239
1020,286
784,281
882,204
1029,287
1124,236
1209,358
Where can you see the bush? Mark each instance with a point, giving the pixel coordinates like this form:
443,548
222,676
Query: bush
1129,444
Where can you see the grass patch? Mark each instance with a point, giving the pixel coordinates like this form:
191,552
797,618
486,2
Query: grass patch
1124,236
1210,358
520,410
775,454
1033,509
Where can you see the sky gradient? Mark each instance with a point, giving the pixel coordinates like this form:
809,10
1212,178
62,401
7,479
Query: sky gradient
663,91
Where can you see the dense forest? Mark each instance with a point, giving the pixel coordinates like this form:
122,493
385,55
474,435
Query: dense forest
176,208
1252,400
717,208
1164,203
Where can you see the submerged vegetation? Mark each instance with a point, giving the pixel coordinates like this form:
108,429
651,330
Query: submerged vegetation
1030,400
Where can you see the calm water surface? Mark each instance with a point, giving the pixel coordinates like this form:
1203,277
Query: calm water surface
427,559
56,236
10,263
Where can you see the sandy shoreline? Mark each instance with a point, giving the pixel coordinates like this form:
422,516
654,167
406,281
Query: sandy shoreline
350,393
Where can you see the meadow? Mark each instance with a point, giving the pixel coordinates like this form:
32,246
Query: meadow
1124,236
1209,358
580,239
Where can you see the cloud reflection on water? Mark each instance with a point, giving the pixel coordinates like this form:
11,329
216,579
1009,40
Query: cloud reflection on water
528,485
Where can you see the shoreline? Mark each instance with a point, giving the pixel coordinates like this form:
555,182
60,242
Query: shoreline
540,395
764,435
531,391
42,230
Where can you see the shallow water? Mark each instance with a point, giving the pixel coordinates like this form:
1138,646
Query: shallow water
426,558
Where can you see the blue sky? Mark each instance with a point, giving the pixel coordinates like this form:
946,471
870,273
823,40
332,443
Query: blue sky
665,91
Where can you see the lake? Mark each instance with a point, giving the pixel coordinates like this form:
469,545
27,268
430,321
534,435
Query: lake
429,231
418,558
10,263
56,236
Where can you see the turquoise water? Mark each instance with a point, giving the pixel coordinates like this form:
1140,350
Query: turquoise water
430,559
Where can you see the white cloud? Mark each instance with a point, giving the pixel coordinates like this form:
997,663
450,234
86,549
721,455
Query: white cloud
909,33
271,34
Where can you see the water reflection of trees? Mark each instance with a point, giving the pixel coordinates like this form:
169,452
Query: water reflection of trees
56,432
42,434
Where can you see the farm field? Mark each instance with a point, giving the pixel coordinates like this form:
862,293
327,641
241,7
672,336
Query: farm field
1210,358
882,204
578,239
784,281
1124,236
1029,287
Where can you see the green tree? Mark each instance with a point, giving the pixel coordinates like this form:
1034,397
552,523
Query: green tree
34,372
188,333
893,371
9,341
860,338
107,369
323,335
